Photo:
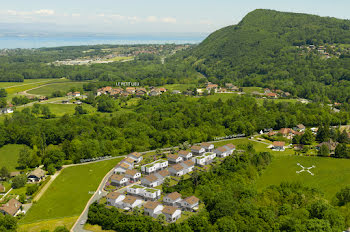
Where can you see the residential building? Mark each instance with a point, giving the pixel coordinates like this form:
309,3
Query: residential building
12,207
145,192
186,155
128,161
285,131
115,199
122,167
205,159
207,146
222,151
37,175
278,146
2,188
188,165
119,180
152,208
131,202
300,127
177,170
230,148
172,214
174,158
155,166
173,198
136,156
197,150
190,203
151,181
331,145
133,175
162,174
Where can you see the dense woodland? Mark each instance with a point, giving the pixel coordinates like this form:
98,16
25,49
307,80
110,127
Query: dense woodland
232,203
161,121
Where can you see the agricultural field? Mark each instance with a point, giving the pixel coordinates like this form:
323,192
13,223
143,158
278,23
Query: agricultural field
62,109
47,90
69,192
48,225
9,156
330,174
181,87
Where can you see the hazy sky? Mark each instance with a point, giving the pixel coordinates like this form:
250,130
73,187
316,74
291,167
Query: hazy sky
148,16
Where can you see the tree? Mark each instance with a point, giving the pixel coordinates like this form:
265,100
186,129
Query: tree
323,133
31,189
307,138
51,169
324,151
61,229
3,102
3,93
80,110
19,181
343,196
46,112
4,173
343,137
36,109
341,151
226,224
161,219
24,157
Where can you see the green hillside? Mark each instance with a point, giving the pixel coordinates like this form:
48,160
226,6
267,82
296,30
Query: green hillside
271,49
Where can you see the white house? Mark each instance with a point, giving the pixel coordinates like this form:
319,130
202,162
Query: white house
172,214
115,199
135,189
133,175
153,208
186,155
188,165
151,193
174,158
222,151
207,146
190,203
155,166
205,159
162,174
119,180
176,170
122,167
197,150
230,148
131,202
151,181
136,156
173,198
128,161
278,146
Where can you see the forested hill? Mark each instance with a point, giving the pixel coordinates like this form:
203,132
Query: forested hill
272,49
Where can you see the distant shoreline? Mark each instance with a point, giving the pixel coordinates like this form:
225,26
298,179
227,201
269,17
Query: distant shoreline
11,42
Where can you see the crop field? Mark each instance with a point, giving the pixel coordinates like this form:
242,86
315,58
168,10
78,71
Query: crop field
330,174
48,224
9,156
69,192
47,90
16,87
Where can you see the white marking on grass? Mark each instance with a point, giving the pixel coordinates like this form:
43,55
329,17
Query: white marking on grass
305,169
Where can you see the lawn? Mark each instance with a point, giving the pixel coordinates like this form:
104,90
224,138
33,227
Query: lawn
253,89
181,87
9,156
48,225
222,96
330,174
47,90
14,88
69,193
261,100
62,109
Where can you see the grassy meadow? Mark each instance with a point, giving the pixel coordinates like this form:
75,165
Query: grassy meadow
47,90
9,156
69,192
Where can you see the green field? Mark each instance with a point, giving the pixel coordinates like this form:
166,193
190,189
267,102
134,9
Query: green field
15,87
9,156
62,109
181,87
69,192
330,174
47,90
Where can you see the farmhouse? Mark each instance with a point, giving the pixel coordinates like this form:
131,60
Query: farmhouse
190,203
174,158
207,146
119,180
278,146
171,213
153,208
197,150
12,207
155,166
136,156
115,199
133,175
186,155
37,175
172,199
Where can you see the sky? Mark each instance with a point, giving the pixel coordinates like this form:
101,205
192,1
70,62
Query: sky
146,16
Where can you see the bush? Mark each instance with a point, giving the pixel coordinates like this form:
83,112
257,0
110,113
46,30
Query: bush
31,189
19,181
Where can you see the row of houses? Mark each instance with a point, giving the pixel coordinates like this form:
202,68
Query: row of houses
138,91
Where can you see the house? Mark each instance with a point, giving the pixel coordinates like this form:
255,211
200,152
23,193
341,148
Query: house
37,175
153,208
188,165
128,161
271,95
6,110
135,189
278,146
172,214
174,158
130,90
119,180
205,159
131,202
207,146
271,133
145,192
172,199
162,90
13,174
133,175
222,151
151,181
197,150
115,199
230,147
176,92
2,188
186,155
12,207
136,156
212,87
162,174
190,203
330,144
300,127
154,92
177,170
155,166
76,94
122,167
